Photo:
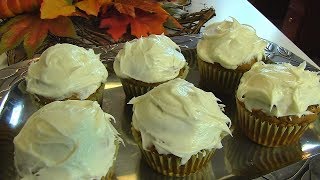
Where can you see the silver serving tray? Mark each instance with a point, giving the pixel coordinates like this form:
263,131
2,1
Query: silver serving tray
239,158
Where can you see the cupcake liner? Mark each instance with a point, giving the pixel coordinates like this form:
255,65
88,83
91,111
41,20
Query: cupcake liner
218,79
268,133
169,164
246,158
205,173
41,101
133,88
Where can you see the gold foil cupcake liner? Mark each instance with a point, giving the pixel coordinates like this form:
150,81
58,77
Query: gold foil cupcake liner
218,79
170,165
267,133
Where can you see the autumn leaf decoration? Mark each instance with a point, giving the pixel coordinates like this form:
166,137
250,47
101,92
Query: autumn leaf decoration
143,18
32,20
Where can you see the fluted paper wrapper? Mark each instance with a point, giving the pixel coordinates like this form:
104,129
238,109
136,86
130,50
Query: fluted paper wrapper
133,88
268,133
96,96
170,165
218,79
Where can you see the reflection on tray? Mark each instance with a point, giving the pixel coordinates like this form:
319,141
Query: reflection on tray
246,158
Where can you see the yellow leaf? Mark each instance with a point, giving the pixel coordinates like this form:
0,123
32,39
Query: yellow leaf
92,7
51,9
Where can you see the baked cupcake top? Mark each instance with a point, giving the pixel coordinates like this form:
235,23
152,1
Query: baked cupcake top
279,89
178,118
66,140
230,44
66,70
150,59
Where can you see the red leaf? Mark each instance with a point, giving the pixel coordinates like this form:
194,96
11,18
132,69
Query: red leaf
61,26
146,23
116,24
35,36
15,35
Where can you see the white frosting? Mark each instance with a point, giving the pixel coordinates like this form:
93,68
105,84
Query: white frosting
65,70
149,59
67,140
230,44
179,119
279,89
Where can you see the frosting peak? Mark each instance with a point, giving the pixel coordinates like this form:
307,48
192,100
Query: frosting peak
178,118
68,140
150,59
64,70
230,44
279,89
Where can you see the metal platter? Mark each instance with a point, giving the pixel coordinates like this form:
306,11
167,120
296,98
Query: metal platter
239,158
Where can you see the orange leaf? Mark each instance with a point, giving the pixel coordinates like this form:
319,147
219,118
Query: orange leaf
10,8
4,9
35,36
51,9
117,25
15,35
145,17
15,6
4,28
33,30
61,26
92,7
125,9
146,23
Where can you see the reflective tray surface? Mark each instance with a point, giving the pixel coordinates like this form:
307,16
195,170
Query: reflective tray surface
238,159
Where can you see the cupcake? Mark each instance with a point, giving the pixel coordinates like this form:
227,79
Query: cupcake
178,127
147,62
227,50
277,102
66,71
67,140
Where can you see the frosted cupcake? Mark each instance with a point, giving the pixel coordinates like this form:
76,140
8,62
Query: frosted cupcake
227,50
277,102
178,127
147,62
66,71
67,140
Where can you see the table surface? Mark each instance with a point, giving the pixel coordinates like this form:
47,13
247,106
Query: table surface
245,13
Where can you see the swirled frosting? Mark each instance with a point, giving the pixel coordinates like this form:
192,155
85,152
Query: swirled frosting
150,59
66,70
279,89
178,118
230,44
68,140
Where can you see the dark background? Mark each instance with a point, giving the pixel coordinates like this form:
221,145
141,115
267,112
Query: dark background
299,20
